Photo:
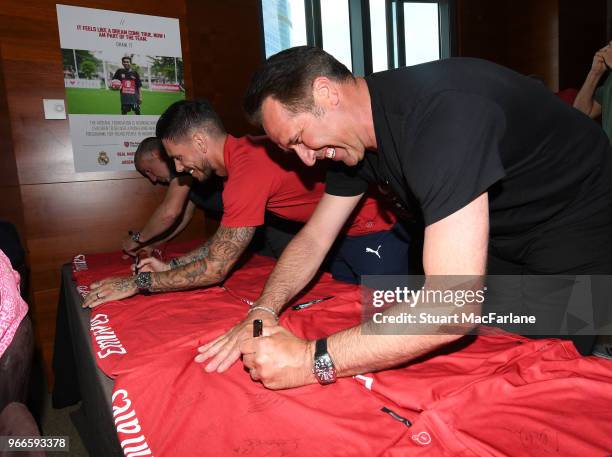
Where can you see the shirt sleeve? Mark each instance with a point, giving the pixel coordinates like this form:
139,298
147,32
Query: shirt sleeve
345,181
454,156
246,192
116,75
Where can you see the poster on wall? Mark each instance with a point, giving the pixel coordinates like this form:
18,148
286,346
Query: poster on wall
121,71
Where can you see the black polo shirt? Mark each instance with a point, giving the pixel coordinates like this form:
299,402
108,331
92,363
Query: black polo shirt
447,131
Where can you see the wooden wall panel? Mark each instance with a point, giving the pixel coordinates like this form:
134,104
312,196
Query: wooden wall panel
582,28
228,51
11,208
555,39
8,166
63,212
101,211
520,34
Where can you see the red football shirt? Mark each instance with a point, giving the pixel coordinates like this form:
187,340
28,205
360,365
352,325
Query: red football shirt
261,176
494,395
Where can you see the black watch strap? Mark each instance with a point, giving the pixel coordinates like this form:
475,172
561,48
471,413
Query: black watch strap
320,347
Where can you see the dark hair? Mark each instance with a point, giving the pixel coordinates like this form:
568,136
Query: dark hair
126,57
182,117
146,147
288,77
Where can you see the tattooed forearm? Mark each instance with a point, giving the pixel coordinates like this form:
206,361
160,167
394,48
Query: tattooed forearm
197,254
222,252
123,284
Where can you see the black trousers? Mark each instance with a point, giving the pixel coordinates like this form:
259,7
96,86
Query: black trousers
132,107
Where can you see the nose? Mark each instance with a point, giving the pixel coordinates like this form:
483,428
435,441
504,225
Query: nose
150,176
179,166
308,156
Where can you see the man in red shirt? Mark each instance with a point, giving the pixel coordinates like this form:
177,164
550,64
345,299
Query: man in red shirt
258,177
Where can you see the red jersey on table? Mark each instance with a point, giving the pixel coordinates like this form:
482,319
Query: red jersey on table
495,394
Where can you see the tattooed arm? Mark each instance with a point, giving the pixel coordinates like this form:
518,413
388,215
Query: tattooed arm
198,253
210,263
218,256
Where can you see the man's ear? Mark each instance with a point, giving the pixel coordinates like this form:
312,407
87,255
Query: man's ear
199,140
325,91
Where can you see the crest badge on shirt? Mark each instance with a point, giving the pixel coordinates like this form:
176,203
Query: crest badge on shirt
422,438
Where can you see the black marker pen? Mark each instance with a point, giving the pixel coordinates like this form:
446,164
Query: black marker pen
257,328
310,303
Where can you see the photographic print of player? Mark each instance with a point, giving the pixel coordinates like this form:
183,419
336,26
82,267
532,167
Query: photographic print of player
121,71
127,81
99,82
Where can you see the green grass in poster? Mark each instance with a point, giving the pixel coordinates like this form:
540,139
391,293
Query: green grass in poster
101,101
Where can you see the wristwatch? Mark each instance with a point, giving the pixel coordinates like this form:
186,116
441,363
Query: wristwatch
144,281
323,368
135,237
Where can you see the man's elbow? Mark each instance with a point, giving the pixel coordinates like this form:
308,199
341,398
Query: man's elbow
170,217
580,106
589,110
217,272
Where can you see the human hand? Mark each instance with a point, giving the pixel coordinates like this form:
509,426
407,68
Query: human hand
129,246
152,264
279,359
113,288
602,60
225,349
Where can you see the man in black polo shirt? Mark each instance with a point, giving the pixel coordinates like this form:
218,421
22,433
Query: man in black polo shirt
131,96
508,179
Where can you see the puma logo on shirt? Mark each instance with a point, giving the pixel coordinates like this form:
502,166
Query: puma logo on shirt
375,252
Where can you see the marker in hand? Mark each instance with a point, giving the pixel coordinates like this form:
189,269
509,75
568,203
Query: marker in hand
257,328
136,264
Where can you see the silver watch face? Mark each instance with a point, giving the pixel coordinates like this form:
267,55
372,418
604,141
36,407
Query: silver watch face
144,280
324,369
